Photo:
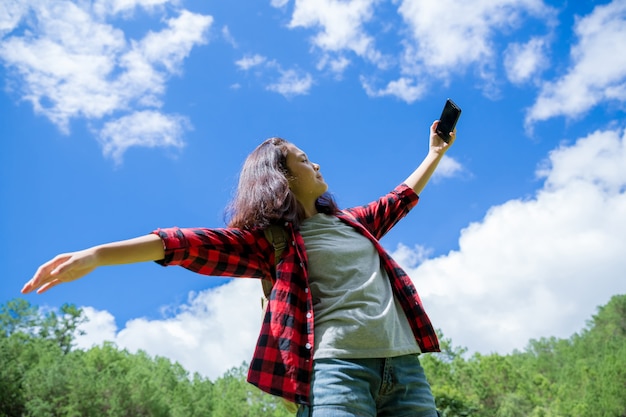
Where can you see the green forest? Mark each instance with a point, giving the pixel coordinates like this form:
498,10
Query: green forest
42,375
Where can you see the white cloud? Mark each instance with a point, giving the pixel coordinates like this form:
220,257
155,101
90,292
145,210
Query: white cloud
598,70
100,326
292,83
146,128
336,64
250,61
279,3
524,61
211,333
403,88
127,7
340,25
538,267
438,38
63,70
170,46
11,12
449,35
228,37
448,167
69,63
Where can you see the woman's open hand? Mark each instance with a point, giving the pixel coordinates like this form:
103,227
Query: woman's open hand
63,268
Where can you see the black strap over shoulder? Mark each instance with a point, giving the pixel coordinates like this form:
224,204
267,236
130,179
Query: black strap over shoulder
277,235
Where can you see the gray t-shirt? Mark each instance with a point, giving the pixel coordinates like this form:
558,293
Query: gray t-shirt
356,314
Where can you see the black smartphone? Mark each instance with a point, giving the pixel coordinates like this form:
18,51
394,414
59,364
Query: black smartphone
449,116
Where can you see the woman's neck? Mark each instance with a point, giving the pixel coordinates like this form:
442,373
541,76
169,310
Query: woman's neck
309,210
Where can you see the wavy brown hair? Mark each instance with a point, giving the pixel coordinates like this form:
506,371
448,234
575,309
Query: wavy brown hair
263,196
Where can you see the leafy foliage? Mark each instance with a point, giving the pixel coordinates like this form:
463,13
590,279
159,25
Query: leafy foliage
42,375
581,376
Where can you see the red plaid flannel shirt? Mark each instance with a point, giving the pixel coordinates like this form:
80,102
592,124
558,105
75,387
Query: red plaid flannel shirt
283,359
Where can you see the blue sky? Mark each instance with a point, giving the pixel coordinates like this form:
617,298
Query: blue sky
119,117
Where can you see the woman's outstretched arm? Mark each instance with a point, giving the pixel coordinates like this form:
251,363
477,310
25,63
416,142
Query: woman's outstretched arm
68,267
437,148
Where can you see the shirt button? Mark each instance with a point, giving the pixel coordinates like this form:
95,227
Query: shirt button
301,265
306,290
308,346
308,315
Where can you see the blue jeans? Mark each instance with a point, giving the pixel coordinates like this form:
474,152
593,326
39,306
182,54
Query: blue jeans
393,387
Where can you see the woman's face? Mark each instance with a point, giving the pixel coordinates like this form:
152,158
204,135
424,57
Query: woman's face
306,181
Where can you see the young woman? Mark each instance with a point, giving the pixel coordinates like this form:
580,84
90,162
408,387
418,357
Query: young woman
344,325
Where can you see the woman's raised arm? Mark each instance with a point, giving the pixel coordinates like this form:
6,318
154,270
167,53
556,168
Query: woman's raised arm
437,148
69,267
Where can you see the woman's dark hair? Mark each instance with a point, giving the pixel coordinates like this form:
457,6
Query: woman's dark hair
263,196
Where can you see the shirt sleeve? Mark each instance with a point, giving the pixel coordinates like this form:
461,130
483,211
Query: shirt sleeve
218,252
379,216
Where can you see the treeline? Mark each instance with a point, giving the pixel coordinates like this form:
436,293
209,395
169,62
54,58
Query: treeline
42,375
583,376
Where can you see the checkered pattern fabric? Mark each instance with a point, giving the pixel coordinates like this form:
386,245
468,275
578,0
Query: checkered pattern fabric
283,360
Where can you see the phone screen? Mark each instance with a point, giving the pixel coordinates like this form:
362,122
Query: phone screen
449,116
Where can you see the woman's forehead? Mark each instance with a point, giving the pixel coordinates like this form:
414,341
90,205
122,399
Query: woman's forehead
293,150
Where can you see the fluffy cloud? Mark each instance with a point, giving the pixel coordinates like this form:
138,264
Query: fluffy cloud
538,267
448,167
598,67
144,128
469,28
250,61
288,82
70,63
340,25
126,7
291,83
211,333
449,36
346,30
404,88
523,61
531,268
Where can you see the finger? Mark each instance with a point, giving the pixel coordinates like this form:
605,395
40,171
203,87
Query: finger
36,280
49,285
43,274
453,135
